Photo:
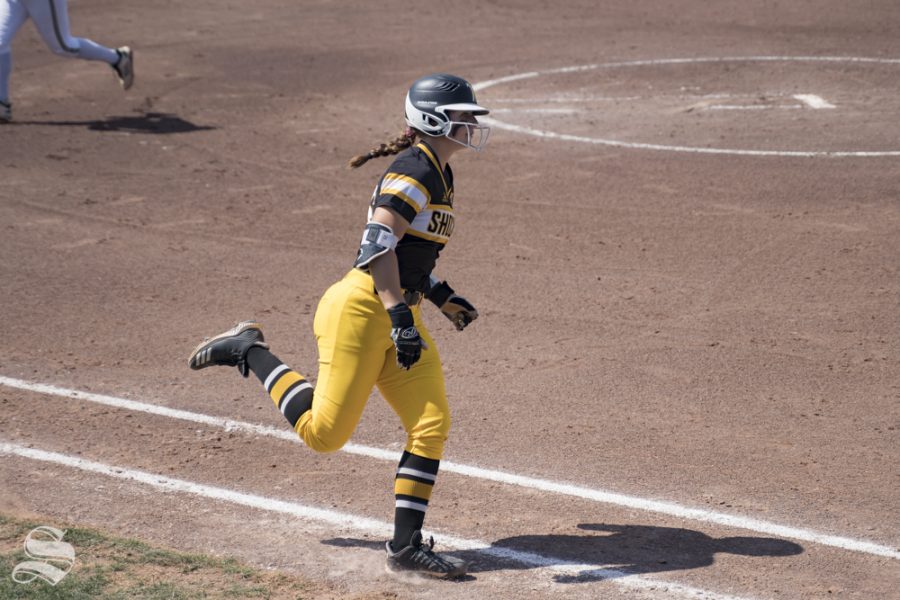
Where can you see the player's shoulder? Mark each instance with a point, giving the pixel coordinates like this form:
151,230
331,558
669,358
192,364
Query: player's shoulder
412,163
409,179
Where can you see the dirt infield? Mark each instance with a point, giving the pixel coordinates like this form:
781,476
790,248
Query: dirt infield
716,331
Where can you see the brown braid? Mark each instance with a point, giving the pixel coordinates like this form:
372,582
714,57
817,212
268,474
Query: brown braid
401,142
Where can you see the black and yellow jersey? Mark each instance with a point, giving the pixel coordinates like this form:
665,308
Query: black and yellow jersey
416,188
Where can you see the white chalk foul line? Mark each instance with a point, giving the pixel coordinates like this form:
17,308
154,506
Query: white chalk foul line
813,101
689,149
595,495
357,523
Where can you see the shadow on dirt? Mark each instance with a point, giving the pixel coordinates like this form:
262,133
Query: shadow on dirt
151,122
609,551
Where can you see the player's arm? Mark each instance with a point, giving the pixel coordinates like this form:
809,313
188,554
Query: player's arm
384,268
456,308
376,253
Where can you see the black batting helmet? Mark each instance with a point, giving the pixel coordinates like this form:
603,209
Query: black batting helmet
430,97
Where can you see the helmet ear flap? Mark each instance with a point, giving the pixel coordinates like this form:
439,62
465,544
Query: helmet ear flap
436,124
424,121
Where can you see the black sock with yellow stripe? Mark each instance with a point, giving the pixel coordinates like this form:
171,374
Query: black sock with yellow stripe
412,490
289,390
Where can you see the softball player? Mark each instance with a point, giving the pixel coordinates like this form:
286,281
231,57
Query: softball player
51,18
368,325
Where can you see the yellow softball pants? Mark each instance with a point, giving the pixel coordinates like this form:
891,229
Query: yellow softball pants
356,353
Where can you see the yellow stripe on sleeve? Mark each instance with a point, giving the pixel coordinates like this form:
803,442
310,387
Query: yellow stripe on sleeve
406,179
402,196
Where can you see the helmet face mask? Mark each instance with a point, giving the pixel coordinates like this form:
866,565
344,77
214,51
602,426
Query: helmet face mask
429,103
477,135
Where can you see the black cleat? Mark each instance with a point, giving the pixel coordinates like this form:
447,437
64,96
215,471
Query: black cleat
419,557
229,348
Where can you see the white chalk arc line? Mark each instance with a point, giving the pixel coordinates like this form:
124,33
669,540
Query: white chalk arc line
596,495
483,85
751,107
355,522
544,111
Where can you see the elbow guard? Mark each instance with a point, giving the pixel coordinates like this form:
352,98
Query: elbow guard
377,239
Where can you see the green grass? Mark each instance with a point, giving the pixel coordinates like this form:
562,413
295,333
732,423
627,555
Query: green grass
111,568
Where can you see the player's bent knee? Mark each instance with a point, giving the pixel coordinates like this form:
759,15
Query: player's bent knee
323,446
428,437
71,53
428,447
68,47
320,441
440,426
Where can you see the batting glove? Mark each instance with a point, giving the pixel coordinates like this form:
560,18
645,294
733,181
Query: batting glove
407,341
456,308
